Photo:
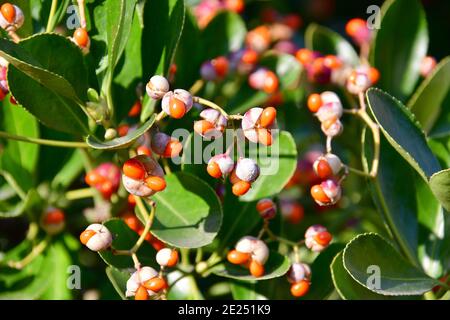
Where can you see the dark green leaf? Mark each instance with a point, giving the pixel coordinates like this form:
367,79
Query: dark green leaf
121,142
346,286
440,185
124,239
188,212
396,275
322,285
224,33
399,46
118,279
276,266
48,83
277,167
432,96
403,132
326,41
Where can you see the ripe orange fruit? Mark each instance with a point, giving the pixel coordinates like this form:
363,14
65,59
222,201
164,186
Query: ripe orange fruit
86,235
177,108
264,136
300,289
256,269
141,294
318,194
268,117
155,284
173,149
236,257
8,12
81,37
314,102
203,126
134,169
323,238
155,183
240,188
213,170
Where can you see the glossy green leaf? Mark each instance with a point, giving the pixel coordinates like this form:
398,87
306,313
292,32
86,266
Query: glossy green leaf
119,17
327,41
224,33
124,239
321,274
60,263
276,266
19,122
403,132
346,286
440,185
48,83
119,280
434,235
245,291
277,167
397,276
183,287
432,96
163,26
121,142
71,170
188,213
399,46
397,206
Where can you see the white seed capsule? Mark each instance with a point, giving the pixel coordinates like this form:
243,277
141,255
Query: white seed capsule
17,22
138,278
247,170
167,257
333,130
157,87
179,94
225,163
138,187
257,248
299,272
102,238
246,244
310,240
332,160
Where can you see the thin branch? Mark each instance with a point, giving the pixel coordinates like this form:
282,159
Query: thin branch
45,142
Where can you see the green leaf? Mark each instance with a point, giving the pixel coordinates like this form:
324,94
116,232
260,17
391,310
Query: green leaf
440,185
397,276
124,239
46,82
399,46
432,96
327,41
322,285
121,142
276,266
189,54
433,234
118,279
396,204
403,132
183,287
346,286
71,170
119,17
19,122
277,167
224,33
188,213
245,291
60,261
163,26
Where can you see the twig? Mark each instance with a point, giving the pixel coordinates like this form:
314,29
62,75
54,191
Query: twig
36,251
45,142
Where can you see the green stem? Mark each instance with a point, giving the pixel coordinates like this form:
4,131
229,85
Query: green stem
212,105
44,142
184,257
51,16
36,251
81,194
